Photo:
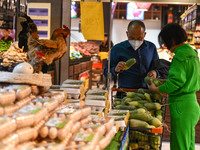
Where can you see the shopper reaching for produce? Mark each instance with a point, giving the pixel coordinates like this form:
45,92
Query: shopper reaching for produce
136,47
182,84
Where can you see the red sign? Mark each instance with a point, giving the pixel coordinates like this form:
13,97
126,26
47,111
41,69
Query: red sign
143,5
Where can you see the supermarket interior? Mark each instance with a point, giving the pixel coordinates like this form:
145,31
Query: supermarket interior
59,88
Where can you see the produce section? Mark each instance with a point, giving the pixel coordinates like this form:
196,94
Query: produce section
34,114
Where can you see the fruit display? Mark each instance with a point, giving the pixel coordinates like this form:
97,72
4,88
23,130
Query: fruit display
74,54
86,48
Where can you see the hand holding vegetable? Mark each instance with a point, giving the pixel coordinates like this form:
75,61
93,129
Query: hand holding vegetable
152,87
152,74
120,66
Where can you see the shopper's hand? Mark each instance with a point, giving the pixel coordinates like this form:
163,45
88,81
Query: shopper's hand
153,87
152,74
120,66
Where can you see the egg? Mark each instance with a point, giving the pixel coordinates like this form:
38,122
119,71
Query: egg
24,68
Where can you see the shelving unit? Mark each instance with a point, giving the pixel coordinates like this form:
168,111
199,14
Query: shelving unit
189,21
154,12
9,9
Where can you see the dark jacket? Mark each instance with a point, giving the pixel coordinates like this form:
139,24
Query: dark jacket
132,78
162,66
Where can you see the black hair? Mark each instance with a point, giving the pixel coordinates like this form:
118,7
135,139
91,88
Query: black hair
136,22
105,34
170,34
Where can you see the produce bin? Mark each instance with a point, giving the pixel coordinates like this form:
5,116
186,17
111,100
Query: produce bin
143,138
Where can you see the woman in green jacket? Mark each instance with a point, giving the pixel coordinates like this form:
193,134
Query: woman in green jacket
182,84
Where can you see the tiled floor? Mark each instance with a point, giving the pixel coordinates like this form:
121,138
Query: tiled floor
166,146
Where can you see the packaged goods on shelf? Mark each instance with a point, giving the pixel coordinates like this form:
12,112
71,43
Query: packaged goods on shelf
75,88
121,118
97,99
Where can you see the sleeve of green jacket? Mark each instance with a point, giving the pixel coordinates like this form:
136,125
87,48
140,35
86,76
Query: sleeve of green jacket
176,78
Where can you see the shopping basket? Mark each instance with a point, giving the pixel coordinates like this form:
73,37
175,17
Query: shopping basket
143,138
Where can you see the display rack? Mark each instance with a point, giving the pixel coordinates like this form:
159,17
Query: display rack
189,21
8,11
154,12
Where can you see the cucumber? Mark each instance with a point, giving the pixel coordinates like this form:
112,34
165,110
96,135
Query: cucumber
144,116
134,103
138,111
140,95
138,123
142,91
143,101
156,96
130,63
155,122
127,99
153,106
130,94
124,107
147,96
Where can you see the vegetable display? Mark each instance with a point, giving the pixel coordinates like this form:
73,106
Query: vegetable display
4,45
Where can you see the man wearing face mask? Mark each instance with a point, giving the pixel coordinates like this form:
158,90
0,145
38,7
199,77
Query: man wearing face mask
135,47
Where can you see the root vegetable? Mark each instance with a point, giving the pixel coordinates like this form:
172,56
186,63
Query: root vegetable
62,132
44,132
25,134
9,110
53,132
51,105
67,139
34,90
40,115
24,120
75,116
7,97
85,112
23,92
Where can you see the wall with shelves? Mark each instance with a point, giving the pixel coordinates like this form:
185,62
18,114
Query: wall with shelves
154,12
190,21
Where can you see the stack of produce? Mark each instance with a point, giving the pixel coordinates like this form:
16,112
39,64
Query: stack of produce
13,55
74,54
72,128
66,120
75,89
87,48
96,99
121,118
26,113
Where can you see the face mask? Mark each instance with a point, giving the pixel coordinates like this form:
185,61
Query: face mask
135,44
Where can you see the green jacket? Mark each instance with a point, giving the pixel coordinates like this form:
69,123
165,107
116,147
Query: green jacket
184,73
